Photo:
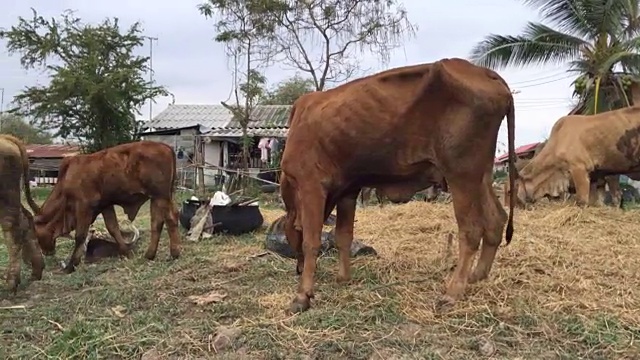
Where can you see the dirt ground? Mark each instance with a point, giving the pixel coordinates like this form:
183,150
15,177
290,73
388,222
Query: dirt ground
566,288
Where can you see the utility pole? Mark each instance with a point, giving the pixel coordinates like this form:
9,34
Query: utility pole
1,107
151,39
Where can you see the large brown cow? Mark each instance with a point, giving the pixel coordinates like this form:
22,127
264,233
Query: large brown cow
16,221
391,131
581,148
127,175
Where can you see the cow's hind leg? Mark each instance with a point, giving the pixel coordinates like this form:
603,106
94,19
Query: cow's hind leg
11,232
111,223
163,210
346,212
311,211
31,253
495,219
294,238
467,206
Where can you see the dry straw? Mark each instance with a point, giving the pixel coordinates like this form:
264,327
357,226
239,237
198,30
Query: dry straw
562,257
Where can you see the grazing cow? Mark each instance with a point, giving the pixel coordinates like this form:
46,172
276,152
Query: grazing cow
582,148
430,190
127,175
392,131
16,221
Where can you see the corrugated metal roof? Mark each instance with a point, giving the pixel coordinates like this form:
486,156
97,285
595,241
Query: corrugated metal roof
519,151
217,116
235,132
51,151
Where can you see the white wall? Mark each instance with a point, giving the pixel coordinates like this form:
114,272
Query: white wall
212,157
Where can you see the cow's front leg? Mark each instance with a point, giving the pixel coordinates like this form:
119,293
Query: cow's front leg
581,181
111,222
83,222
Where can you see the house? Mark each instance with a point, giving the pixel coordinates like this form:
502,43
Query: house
44,161
522,152
213,131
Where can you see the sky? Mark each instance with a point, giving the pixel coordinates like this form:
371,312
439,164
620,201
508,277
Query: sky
194,68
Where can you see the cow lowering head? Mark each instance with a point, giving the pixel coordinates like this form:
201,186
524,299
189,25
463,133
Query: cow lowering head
54,220
538,179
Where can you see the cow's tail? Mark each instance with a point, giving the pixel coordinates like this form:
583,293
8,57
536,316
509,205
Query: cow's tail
25,176
174,174
513,172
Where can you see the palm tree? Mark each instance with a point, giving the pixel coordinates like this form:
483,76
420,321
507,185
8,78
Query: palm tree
599,39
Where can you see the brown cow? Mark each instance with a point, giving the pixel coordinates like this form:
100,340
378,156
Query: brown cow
392,131
17,222
581,148
127,175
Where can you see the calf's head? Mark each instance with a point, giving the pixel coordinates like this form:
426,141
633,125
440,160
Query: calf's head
44,235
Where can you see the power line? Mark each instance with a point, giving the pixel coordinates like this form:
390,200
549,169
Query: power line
546,82
538,78
151,39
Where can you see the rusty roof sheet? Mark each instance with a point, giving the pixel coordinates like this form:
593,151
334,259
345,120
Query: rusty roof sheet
51,150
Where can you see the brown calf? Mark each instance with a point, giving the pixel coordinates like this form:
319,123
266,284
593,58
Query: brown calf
127,175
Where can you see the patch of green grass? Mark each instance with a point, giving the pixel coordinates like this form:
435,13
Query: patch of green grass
121,309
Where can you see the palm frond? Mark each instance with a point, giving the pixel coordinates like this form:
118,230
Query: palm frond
630,62
568,16
538,44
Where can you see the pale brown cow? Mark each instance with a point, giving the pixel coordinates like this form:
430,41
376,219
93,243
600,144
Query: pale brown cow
392,131
15,220
127,175
580,148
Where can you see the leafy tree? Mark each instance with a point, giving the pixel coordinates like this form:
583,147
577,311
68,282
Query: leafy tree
97,83
321,38
243,32
16,126
288,91
599,40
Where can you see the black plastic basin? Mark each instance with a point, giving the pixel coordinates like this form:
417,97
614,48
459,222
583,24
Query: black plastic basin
235,220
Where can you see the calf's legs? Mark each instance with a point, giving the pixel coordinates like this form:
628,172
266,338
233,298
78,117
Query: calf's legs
163,211
83,222
111,223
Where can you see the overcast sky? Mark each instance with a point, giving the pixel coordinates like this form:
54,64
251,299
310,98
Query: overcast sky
195,70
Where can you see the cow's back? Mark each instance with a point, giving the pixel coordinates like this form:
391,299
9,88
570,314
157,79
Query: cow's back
137,167
593,140
346,122
10,171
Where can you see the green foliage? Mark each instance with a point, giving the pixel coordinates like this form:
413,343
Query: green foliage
288,91
97,83
597,39
29,134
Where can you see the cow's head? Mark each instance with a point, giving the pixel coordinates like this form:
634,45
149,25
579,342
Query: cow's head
44,234
536,182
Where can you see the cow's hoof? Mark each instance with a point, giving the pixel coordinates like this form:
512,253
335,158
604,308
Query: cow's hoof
36,276
12,284
150,256
343,280
444,305
299,304
175,253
